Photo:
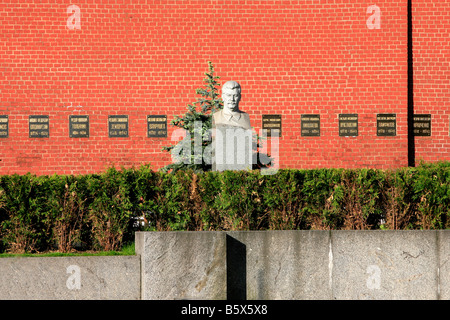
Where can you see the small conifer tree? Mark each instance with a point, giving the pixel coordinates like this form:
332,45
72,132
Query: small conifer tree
197,122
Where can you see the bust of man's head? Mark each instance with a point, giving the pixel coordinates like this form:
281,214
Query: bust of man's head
231,115
231,95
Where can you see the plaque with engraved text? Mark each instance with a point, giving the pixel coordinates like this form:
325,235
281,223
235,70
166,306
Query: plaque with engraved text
271,123
4,126
38,126
157,126
79,126
310,125
422,125
386,124
348,125
118,126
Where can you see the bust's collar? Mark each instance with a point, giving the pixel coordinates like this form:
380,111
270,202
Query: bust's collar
229,115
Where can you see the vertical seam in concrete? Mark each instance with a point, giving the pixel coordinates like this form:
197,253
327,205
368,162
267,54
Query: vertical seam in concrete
140,277
438,258
141,264
330,266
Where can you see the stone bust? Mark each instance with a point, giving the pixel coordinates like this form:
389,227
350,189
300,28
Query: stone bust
232,136
230,115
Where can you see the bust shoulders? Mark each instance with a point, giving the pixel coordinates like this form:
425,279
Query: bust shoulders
220,119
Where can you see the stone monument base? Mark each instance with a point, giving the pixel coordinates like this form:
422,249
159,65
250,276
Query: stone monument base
232,148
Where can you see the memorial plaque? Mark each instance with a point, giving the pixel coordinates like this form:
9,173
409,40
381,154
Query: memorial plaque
310,125
157,126
270,123
348,125
422,125
386,124
79,126
38,126
4,126
118,126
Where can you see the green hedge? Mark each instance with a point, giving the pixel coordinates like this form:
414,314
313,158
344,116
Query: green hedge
99,211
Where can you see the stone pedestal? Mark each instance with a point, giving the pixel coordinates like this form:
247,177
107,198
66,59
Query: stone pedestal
232,148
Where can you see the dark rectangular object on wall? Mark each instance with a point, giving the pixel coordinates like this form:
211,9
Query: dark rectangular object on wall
310,125
422,125
157,126
79,126
386,124
270,123
348,125
118,126
39,126
4,126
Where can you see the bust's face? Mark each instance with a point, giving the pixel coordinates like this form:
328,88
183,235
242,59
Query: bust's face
231,98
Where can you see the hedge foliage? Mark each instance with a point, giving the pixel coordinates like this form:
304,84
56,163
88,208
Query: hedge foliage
100,211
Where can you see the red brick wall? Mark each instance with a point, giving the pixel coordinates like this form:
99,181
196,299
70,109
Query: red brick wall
148,57
431,49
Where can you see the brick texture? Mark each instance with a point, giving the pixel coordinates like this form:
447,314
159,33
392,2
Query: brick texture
431,50
140,58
